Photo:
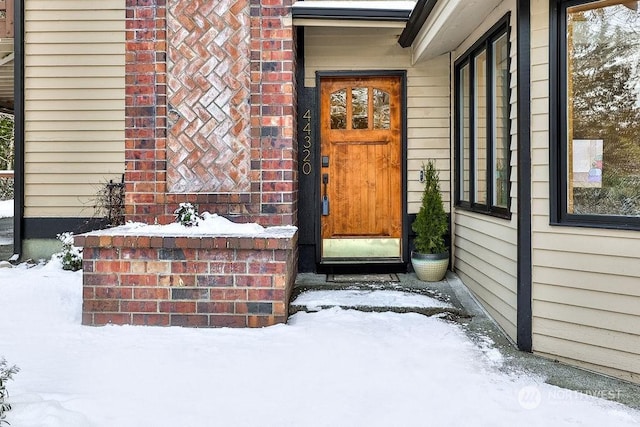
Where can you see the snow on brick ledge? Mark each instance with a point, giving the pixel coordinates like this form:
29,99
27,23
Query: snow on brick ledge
173,276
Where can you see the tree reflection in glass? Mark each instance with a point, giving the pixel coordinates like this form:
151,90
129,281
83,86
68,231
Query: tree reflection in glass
381,109
360,107
603,108
339,109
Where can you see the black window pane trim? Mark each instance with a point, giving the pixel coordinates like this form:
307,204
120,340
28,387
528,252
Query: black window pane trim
484,44
559,151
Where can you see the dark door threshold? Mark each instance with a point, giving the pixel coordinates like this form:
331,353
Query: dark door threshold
361,267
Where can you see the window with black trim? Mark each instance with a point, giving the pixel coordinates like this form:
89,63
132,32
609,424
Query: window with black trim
595,113
482,136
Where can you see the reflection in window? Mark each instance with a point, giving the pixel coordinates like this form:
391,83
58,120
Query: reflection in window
480,127
360,107
464,133
381,109
339,109
602,109
500,121
482,147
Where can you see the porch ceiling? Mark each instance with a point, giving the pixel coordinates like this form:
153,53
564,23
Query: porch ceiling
352,13
448,24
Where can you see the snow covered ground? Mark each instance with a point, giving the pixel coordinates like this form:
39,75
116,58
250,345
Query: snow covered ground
330,368
6,208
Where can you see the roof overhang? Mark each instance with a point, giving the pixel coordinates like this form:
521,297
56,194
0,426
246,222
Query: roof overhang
352,13
437,27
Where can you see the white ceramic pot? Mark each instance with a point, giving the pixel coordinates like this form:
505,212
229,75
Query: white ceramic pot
430,267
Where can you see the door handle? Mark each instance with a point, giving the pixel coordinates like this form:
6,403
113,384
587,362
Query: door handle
325,197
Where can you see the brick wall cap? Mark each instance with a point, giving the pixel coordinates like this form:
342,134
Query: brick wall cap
176,230
278,237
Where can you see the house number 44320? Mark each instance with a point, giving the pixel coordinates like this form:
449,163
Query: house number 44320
307,143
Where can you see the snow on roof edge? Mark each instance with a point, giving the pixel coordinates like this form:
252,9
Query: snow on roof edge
355,4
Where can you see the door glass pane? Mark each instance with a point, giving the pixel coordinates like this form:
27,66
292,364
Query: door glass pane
360,107
480,127
339,109
464,93
500,122
381,109
603,108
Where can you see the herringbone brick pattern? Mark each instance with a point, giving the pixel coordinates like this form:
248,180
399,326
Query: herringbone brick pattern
208,78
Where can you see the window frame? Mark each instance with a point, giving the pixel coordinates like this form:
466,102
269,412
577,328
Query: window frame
484,44
558,154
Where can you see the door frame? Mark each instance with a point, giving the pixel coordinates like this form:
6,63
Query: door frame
403,154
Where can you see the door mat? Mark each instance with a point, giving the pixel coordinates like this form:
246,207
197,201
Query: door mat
363,278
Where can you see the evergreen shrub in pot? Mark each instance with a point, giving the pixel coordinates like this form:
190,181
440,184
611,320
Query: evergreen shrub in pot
430,258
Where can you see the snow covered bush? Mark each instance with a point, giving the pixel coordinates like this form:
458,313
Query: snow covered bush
187,215
6,373
70,256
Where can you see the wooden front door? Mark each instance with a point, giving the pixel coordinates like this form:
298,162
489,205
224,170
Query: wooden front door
361,169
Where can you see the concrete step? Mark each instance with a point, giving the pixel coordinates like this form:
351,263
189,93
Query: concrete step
399,297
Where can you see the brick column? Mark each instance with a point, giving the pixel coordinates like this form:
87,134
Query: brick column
227,140
273,107
145,109
210,119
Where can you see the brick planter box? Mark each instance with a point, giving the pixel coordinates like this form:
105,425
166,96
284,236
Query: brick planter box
189,280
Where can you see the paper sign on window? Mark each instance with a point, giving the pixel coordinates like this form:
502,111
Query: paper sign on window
587,162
